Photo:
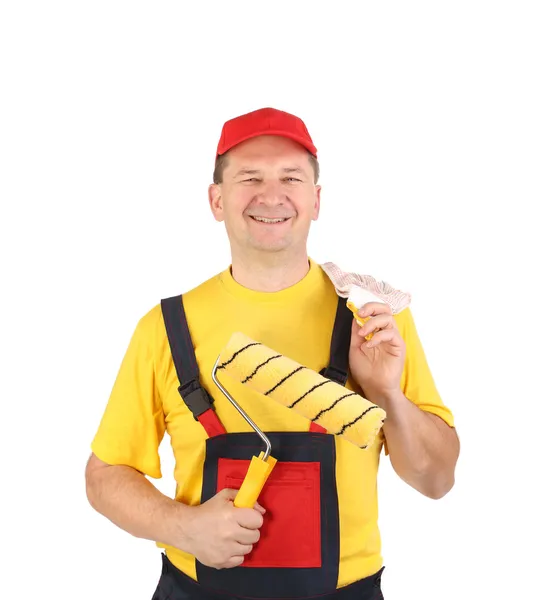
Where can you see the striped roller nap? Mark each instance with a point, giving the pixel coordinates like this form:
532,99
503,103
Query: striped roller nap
334,407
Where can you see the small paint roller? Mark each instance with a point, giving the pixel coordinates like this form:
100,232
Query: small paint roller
357,298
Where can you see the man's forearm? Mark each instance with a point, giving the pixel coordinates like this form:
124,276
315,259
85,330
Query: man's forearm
423,448
133,503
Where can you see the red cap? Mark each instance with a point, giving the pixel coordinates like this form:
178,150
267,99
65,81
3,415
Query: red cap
265,121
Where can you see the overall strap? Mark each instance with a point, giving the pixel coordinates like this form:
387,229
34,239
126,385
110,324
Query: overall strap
338,367
196,397
341,338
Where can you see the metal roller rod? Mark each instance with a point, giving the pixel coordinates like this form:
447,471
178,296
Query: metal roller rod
242,412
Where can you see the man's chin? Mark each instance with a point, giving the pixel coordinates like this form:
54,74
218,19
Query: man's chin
271,247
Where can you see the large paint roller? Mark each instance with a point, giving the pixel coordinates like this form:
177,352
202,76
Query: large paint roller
340,411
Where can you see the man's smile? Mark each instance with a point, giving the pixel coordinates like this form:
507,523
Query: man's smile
269,220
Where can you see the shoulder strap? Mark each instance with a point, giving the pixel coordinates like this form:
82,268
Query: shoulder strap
338,367
197,398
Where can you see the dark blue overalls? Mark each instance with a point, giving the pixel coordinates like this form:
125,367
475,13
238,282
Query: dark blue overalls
298,552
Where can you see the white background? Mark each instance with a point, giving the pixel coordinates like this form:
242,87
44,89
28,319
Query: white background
428,118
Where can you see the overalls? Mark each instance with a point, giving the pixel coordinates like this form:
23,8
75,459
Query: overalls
298,552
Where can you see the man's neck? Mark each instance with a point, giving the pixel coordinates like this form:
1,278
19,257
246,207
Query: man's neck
273,274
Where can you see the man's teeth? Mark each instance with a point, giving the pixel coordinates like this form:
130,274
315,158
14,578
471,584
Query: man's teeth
264,220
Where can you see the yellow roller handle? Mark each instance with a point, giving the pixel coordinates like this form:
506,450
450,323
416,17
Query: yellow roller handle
256,476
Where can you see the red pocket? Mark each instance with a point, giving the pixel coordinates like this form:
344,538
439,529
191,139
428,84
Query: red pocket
291,531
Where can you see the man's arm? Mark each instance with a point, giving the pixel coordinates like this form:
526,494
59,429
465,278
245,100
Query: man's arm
216,532
422,447
129,500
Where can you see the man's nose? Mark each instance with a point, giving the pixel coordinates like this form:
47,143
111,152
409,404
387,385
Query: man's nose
271,192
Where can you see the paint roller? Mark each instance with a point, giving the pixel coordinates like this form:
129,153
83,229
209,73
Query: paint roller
340,411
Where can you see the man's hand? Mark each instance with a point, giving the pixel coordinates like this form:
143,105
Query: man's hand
219,534
377,365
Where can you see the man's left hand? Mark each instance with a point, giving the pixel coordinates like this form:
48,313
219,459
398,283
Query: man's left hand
377,365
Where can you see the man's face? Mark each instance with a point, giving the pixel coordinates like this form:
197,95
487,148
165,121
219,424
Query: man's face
268,198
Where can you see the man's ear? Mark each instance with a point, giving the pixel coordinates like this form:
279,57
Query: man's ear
216,201
317,203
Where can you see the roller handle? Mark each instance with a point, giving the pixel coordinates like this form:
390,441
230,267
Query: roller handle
256,476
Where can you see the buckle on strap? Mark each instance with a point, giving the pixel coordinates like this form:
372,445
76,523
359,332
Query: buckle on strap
335,374
197,398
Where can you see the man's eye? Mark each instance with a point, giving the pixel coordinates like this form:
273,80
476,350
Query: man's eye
293,179
251,179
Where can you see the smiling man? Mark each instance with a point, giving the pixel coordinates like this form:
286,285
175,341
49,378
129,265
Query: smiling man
316,532
265,192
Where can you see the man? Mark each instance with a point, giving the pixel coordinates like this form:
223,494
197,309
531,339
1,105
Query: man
325,541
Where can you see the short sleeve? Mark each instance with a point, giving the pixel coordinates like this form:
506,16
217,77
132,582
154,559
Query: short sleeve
133,425
417,382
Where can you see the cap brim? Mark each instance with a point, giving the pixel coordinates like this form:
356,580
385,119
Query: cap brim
287,134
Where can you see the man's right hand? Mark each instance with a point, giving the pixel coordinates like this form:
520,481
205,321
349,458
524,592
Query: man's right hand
219,534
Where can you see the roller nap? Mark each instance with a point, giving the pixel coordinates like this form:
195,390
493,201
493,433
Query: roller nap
325,402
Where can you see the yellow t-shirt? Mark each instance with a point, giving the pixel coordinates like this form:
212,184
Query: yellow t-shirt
296,322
